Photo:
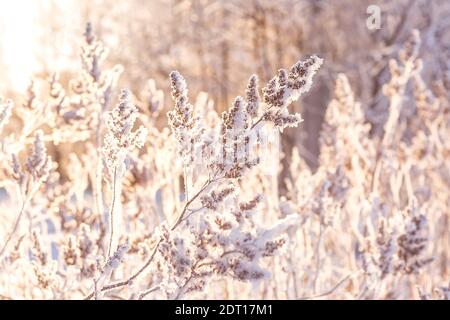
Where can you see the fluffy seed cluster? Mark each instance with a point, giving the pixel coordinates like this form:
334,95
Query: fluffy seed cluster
183,122
219,237
252,97
120,137
228,219
37,167
285,88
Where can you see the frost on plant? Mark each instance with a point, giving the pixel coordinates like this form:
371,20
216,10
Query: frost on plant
295,154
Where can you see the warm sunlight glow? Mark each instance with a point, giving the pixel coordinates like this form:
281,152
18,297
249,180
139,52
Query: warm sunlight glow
18,36
215,150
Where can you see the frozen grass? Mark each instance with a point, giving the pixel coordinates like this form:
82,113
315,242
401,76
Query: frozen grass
98,203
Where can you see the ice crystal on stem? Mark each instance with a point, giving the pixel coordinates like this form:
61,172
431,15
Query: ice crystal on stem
287,87
412,243
220,237
111,264
120,139
252,97
182,119
342,227
37,168
29,179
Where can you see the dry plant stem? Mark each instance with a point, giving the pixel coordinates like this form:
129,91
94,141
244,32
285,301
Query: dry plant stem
408,183
294,281
180,219
391,123
98,195
24,139
130,279
198,265
97,184
181,290
147,292
319,241
155,249
363,292
192,211
326,293
261,118
16,225
98,187
111,214
96,294
257,122
188,203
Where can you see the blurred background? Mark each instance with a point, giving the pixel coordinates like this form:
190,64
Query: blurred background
217,45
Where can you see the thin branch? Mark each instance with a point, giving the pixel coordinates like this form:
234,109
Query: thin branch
188,203
261,118
111,213
147,292
319,241
326,293
16,225
155,249
96,294
130,279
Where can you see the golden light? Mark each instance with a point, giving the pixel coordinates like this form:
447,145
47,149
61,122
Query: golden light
18,41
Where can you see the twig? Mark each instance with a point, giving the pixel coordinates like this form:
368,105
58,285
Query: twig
261,118
155,249
111,213
95,290
319,240
16,225
130,279
188,203
147,292
326,293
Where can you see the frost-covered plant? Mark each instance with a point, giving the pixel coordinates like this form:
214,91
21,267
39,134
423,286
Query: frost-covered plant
29,179
198,209
119,141
220,238
285,88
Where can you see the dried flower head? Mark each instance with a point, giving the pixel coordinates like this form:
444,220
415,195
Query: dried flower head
252,96
120,139
285,88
